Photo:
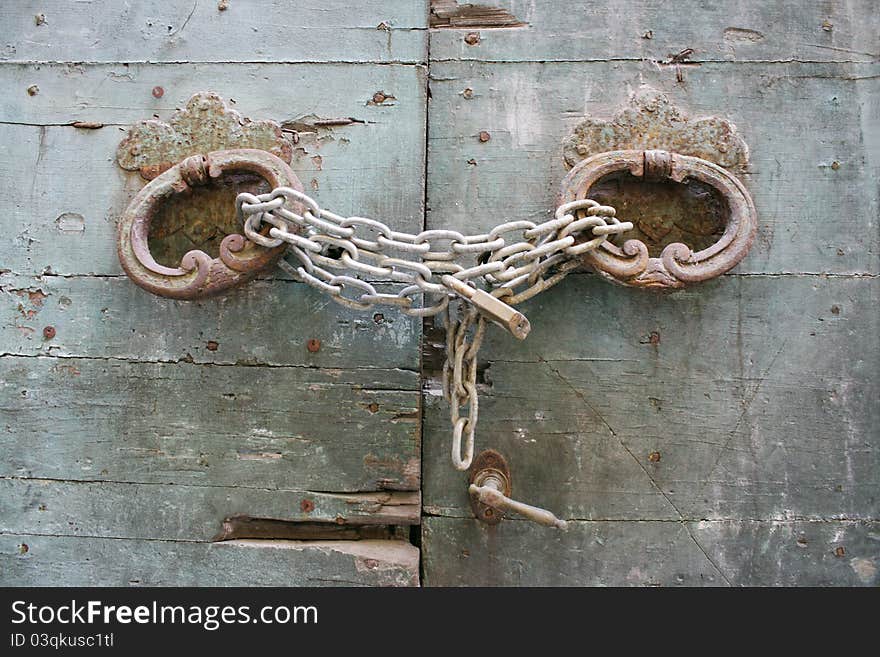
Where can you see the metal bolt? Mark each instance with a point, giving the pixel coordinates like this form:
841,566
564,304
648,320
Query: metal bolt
468,93
49,332
307,506
212,345
223,5
472,38
379,318
484,136
33,90
379,97
313,345
158,92
827,25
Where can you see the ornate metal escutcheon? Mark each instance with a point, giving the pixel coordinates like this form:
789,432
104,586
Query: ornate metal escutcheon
657,144
180,157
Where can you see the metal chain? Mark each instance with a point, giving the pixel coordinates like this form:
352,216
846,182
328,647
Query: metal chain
514,261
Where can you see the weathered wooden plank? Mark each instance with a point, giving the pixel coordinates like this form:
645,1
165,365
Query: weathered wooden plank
293,428
175,512
60,172
265,322
27,560
460,552
801,187
571,30
832,553
757,397
246,30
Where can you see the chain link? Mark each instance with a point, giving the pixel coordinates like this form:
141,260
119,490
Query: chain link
514,261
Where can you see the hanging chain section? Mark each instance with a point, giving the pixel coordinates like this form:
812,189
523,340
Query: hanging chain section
487,273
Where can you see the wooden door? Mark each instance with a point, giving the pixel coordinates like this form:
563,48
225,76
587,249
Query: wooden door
721,435
725,434
145,429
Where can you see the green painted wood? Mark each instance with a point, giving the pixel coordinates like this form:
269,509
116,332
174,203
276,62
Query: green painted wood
529,108
66,224
295,428
720,435
651,553
264,322
759,395
571,30
182,512
50,560
247,30
133,434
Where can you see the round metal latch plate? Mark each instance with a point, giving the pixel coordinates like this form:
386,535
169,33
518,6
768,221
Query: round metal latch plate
489,463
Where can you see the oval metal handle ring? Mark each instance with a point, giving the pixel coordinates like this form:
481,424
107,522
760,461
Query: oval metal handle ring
677,265
198,275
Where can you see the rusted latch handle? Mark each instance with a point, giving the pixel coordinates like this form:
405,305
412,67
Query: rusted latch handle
490,488
490,494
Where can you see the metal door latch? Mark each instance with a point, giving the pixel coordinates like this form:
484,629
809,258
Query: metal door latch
490,490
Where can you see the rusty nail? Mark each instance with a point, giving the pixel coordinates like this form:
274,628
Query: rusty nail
648,35
307,506
212,345
373,407
313,345
835,309
484,136
654,457
840,551
223,5
49,332
379,97
835,165
23,548
802,541
379,318
33,90
468,93
158,92
40,19
472,38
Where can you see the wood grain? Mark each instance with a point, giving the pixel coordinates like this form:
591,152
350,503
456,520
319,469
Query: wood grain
758,395
570,30
66,224
184,30
797,188
123,562
651,553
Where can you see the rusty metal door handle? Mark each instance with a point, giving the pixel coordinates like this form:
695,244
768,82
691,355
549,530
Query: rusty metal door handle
198,275
490,489
677,265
